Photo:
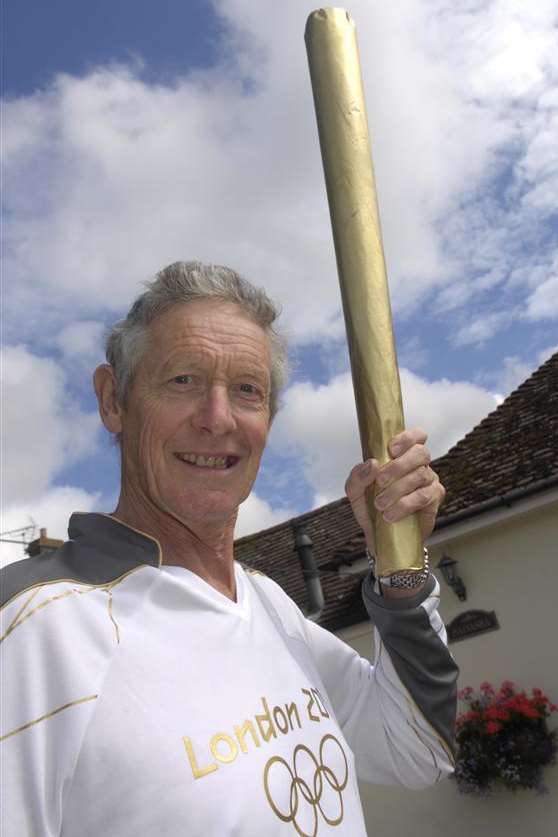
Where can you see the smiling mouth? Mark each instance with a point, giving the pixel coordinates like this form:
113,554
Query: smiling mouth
213,463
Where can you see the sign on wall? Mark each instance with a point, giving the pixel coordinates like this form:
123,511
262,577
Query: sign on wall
471,623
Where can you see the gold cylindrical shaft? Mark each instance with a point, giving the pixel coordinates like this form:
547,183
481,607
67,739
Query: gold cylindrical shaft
343,130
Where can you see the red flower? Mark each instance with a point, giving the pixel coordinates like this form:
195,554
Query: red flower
468,716
539,699
528,711
466,693
496,713
496,708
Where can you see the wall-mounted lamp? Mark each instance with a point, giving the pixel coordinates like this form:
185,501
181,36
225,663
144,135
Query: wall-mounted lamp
448,568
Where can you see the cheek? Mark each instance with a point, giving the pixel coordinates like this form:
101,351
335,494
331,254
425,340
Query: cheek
155,428
258,436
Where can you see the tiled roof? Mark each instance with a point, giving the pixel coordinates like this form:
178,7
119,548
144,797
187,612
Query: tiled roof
513,448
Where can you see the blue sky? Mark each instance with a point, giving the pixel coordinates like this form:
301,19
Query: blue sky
138,133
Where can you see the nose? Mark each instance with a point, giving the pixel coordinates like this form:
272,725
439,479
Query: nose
214,414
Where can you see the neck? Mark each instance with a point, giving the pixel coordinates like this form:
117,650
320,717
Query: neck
204,548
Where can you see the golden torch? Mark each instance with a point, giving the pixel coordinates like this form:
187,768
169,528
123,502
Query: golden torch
343,130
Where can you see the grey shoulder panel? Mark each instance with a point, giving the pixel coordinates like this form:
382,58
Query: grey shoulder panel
421,659
100,550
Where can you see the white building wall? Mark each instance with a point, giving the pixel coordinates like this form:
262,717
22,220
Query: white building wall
511,568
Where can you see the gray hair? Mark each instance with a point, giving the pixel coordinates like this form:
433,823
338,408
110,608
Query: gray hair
182,282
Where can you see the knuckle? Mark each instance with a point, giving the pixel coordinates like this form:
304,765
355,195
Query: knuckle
419,455
424,497
425,475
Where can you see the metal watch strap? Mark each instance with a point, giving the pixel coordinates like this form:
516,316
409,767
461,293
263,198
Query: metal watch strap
404,579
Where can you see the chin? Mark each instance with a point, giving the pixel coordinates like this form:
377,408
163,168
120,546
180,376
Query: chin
212,510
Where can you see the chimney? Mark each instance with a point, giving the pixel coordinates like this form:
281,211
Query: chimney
43,545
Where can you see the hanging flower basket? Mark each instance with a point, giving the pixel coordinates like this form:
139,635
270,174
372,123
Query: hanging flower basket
503,740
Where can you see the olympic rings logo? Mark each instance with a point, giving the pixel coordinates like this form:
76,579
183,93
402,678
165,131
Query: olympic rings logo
314,786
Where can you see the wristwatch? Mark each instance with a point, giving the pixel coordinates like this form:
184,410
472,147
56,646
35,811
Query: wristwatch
403,579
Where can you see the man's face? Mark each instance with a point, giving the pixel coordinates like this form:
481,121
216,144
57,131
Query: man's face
196,419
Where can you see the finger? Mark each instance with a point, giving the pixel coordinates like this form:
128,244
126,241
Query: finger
418,478
361,477
425,500
407,462
406,439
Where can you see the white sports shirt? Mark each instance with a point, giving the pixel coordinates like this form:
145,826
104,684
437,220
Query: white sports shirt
150,704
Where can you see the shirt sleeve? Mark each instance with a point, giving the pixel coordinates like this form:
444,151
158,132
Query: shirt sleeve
52,657
397,713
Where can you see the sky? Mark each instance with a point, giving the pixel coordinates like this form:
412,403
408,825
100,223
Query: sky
136,134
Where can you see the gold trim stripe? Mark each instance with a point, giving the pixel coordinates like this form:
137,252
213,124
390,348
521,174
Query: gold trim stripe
424,744
19,619
48,715
104,586
15,621
111,616
416,726
434,732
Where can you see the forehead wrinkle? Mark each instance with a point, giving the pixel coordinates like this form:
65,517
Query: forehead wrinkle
189,335
198,351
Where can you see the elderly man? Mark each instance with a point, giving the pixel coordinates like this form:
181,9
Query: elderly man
159,688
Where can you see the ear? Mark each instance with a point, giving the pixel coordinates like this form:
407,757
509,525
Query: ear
110,410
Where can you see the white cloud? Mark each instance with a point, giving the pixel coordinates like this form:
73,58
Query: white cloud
51,511
117,177
82,341
545,354
413,354
319,423
44,431
543,302
482,327
256,514
446,409
514,372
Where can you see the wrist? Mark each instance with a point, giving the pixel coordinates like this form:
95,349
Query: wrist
403,582
400,593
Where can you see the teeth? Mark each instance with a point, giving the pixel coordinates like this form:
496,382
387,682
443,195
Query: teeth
203,461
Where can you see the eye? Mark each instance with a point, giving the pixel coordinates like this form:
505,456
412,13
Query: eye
182,379
249,392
